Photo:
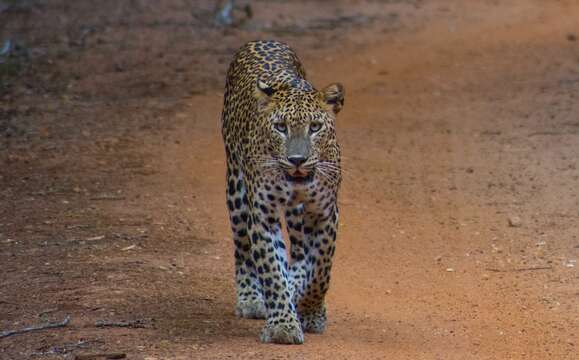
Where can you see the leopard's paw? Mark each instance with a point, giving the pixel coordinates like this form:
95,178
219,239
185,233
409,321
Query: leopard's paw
314,320
283,333
250,308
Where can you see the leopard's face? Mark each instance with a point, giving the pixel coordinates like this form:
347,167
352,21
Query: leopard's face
301,132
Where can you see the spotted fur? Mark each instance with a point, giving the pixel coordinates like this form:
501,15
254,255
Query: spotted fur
282,160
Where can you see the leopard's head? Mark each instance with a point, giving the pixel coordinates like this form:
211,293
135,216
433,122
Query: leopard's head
301,132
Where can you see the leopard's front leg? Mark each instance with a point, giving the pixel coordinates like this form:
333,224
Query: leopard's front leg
319,239
270,261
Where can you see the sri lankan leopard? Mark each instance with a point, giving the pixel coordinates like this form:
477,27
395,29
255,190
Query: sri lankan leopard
282,159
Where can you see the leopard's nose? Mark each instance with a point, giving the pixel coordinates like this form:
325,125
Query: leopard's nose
297,160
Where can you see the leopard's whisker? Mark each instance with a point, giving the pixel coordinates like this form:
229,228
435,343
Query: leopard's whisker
334,171
328,175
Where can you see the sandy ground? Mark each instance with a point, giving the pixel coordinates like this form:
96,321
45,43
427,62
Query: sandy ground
460,117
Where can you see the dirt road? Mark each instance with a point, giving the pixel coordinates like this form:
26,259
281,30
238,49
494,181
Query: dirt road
459,236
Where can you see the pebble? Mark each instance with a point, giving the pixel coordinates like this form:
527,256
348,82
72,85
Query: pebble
515,221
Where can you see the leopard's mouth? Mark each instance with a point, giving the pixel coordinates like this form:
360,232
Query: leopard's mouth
300,177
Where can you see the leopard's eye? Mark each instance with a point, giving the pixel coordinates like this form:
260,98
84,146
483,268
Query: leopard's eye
315,127
281,127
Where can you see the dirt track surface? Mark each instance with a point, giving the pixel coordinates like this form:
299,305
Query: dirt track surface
459,117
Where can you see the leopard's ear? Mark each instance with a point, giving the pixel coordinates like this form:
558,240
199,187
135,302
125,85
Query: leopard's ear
333,97
263,93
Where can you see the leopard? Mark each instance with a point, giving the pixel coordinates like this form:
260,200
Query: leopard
283,172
